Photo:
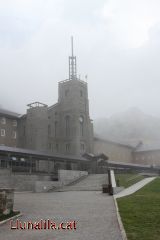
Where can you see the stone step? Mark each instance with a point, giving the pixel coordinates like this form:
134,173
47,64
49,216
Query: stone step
92,182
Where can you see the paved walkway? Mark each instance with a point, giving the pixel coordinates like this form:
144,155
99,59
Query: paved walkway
134,187
93,211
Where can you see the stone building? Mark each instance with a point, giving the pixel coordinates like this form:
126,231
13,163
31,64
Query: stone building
8,128
64,127
148,154
117,152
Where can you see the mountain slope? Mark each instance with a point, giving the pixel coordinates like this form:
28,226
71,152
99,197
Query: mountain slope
132,125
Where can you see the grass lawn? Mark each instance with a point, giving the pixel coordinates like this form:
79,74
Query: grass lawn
128,179
140,212
4,217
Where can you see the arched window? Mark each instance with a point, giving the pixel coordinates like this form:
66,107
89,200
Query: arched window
55,128
49,130
67,147
81,121
67,125
82,147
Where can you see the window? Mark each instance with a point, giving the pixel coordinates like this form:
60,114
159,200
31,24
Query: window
81,93
67,125
22,159
81,121
3,120
49,130
3,133
14,134
67,147
15,123
55,128
82,147
49,145
24,131
66,92
57,147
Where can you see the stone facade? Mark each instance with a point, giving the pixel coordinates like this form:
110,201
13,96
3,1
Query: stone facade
115,151
8,128
33,128
62,128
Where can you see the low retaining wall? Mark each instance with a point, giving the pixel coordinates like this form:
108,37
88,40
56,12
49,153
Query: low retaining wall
20,181
114,185
37,182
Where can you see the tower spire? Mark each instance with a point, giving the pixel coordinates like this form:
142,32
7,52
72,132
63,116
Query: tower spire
72,63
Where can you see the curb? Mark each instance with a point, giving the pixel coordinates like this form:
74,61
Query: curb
11,218
123,233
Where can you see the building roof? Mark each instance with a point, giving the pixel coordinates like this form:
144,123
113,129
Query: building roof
123,144
8,113
148,147
13,150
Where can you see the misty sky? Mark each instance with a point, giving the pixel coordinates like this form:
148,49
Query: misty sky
117,44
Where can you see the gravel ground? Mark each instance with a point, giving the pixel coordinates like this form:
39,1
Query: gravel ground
94,213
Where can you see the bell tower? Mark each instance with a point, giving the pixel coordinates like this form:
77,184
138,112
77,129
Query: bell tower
74,129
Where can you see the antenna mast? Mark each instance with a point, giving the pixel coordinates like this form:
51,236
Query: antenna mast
72,64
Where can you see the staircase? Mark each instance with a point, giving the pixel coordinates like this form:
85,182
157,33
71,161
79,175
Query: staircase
92,182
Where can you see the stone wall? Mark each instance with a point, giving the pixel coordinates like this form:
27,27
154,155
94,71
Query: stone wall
6,200
115,152
20,182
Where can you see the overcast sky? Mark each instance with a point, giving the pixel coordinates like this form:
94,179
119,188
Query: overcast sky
117,44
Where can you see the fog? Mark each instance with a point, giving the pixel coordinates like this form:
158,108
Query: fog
117,44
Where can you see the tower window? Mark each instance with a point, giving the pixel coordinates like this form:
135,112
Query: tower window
81,121
49,130
82,147
55,128
57,147
66,92
67,147
67,125
81,93
24,130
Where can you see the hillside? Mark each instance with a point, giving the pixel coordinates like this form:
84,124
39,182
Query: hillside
130,126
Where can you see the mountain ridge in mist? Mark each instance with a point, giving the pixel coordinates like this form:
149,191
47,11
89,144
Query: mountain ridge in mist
132,125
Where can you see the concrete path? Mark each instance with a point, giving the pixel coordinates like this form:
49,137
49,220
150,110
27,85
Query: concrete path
134,187
94,213
93,182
